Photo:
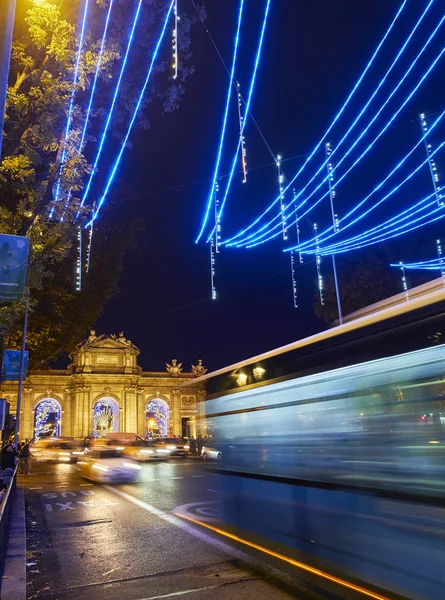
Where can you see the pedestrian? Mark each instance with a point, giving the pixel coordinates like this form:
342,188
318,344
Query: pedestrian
200,444
8,457
25,459
192,444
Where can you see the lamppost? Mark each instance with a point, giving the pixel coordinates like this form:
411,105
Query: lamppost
7,12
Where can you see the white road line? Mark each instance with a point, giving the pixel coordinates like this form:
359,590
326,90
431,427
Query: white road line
177,522
197,475
210,587
176,477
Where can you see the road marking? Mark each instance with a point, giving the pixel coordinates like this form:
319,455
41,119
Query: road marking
197,475
177,522
210,587
36,488
177,478
206,510
214,491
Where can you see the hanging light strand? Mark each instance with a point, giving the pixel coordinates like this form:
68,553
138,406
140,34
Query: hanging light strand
282,197
431,161
175,42
318,263
241,134
441,260
79,260
335,224
404,282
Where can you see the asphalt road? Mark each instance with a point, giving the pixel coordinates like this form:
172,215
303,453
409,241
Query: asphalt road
87,541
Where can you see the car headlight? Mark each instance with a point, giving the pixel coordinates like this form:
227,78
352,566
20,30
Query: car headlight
132,466
171,447
64,458
120,448
186,447
145,451
163,451
78,453
64,453
100,467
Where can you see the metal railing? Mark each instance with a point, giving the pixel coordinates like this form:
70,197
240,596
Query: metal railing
6,504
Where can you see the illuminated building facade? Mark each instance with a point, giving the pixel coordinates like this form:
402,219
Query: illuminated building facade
105,390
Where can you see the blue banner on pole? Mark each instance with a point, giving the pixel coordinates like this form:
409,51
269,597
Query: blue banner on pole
11,364
13,264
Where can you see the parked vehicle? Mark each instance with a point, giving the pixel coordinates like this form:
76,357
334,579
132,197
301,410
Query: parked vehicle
108,465
61,449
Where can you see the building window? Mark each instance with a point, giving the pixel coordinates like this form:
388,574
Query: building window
106,417
157,415
47,418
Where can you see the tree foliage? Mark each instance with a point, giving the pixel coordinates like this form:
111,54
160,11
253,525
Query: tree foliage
43,59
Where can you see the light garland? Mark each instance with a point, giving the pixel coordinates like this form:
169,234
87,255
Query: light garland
161,414
47,419
329,129
135,113
256,235
335,224
441,261
105,418
224,124
71,104
113,102
247,110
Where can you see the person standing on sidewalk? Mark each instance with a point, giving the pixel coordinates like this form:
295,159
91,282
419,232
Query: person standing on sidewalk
25,459
8,457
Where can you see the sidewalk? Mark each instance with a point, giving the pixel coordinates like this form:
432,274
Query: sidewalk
13,584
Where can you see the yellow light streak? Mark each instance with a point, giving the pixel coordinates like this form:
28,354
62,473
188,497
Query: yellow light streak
288,560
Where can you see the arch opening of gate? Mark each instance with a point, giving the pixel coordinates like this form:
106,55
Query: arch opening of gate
47,418
105,417
157,416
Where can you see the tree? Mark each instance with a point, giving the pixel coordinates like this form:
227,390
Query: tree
364,278
41,84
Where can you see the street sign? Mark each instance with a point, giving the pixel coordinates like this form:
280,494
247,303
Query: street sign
13,263
11,364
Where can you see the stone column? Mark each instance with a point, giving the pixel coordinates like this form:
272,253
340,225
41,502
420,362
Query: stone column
81,412
67,416
27,416
130,421
175,416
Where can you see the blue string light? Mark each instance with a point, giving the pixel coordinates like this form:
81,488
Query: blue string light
329,129
246,112
224,126
255,236
423,205
110,112
395,232
135,113
71,104
93,91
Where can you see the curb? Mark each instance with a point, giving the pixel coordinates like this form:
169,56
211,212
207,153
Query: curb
13,586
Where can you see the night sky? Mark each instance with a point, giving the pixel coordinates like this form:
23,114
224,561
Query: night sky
313,54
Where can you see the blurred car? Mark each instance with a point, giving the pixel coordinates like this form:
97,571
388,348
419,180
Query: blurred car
143,451
108,465
176,446
61,449
210,453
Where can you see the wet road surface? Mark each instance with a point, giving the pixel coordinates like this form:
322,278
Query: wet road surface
88,541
